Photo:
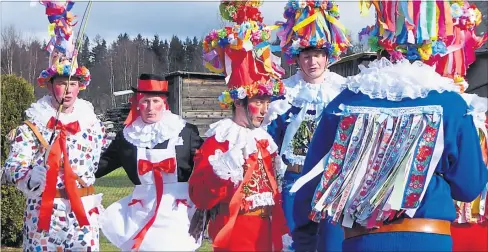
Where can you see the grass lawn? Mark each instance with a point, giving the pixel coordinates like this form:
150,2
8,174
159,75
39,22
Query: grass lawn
115,186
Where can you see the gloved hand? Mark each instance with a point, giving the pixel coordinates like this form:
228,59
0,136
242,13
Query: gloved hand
37,179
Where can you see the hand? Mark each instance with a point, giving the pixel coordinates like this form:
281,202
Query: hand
37,179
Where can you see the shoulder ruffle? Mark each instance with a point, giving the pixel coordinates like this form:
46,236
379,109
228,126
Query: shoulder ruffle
228,130
383,79
477,107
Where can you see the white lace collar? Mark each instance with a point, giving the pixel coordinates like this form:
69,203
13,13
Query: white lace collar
145,135
383,79
299,92
228,130
477,107
41,112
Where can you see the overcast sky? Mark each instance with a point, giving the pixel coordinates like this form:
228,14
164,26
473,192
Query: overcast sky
165,18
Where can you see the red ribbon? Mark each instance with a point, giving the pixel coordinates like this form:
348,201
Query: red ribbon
135,201
58,149
93,210
181,201
145,166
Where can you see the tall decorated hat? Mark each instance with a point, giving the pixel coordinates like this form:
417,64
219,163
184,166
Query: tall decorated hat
243,53
439,33
312,24
61,46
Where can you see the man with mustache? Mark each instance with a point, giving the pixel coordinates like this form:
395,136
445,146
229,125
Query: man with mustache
236,181
292,119
156,150
53,157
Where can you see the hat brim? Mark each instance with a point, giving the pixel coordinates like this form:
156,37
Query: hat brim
135,90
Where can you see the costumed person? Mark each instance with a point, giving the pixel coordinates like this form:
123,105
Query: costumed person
55,152
312,37
470,229
156,150
399,145
236,184
451,52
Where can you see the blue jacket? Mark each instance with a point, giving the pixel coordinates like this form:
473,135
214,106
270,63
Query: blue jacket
460,173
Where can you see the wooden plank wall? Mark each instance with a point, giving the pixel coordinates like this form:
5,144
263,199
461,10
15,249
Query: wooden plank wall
199,104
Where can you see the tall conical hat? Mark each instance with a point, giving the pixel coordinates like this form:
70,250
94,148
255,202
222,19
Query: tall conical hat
61,47
439,33
243,53
312,25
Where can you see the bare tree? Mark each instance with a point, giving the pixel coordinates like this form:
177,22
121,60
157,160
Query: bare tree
11,39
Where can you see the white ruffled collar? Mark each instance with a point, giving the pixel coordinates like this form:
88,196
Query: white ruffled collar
383,79
477,107
41,112
299,92
228,130
145,135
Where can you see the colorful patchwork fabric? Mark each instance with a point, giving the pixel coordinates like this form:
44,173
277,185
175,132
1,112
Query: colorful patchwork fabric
65,234
380,163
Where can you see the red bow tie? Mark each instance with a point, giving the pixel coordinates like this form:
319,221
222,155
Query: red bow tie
72,128
167,165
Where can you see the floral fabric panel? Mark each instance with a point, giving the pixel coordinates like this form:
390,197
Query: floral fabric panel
303,137
380,163
257,191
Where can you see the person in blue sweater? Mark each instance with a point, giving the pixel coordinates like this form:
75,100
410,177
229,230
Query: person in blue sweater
391,153
292,119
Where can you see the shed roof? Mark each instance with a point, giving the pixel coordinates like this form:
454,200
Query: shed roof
195,74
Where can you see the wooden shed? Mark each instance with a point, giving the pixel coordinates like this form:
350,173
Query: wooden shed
348,66
478,74
194,96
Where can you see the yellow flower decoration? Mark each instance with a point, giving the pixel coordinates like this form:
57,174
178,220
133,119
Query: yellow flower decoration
425,51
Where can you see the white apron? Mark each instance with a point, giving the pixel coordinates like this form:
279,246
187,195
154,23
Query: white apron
123,220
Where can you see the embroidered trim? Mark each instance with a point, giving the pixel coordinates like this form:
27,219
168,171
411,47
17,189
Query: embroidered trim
391,111
260,200
288,151
145,135
379,163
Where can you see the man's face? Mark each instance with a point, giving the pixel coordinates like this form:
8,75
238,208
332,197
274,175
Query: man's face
59,86
313,63
151,107
258,107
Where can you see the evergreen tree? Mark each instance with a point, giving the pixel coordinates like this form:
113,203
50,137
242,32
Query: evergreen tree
84,54
176,54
